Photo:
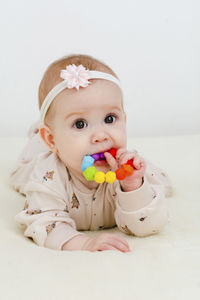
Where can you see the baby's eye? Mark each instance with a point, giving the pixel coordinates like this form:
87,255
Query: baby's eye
80,124
110,119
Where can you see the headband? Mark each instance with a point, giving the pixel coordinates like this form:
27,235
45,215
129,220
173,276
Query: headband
74,77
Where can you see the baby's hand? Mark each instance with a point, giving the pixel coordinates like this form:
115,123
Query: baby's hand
134,181
106,241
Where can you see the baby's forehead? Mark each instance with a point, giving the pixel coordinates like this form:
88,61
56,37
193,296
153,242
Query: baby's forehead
99,95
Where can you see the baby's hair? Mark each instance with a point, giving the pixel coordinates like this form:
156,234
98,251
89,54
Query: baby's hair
51,76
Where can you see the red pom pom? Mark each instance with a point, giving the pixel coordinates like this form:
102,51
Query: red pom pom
128,169
130,162
113,152
120,174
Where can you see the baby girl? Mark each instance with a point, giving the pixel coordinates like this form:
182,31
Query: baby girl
81,114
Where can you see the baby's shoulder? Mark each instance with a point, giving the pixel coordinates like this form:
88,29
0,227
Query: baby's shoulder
49,171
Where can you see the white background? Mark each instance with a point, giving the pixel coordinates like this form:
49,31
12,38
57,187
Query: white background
153,46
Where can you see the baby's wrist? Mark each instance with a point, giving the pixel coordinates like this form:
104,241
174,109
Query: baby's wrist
132,187
75,243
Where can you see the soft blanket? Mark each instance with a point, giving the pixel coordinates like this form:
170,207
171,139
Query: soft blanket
161,266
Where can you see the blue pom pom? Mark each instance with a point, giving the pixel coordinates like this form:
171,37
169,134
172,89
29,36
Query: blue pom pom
87,162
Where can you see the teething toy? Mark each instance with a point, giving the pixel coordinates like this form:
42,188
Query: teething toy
87,162
91,173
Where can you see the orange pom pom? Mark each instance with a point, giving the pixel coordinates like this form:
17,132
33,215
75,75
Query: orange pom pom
128,169
120,173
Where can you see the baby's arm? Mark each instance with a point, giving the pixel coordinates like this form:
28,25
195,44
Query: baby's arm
102,242
144,211
75,243
49,224
46,218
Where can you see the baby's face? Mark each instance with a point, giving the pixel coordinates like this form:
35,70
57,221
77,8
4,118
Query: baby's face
88,121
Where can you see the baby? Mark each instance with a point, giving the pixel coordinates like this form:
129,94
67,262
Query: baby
81,106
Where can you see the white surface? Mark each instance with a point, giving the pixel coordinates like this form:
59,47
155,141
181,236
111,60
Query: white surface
163,266
152,45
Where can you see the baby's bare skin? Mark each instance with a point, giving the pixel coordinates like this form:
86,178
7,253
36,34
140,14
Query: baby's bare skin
104,241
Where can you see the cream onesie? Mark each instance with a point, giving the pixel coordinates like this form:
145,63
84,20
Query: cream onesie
58,206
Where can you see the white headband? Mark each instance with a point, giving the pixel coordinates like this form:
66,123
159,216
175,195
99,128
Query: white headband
74,76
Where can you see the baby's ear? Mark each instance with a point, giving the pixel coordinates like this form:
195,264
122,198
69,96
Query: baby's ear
47,136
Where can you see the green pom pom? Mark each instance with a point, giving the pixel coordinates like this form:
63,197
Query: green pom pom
89,173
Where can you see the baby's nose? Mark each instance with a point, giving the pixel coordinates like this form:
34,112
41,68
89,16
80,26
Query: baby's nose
99,136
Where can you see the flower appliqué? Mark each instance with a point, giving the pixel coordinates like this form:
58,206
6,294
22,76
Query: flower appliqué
75,76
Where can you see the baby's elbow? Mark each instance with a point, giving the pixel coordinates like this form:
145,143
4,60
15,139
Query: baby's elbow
145,233
150,229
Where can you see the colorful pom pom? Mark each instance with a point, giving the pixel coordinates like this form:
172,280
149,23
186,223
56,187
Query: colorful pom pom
110,177
102,156
99,177
130,162
120,174
95,156
128,169
89,173
113,152
87,162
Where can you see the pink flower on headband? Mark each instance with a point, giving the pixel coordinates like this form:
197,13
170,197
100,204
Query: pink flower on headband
75,76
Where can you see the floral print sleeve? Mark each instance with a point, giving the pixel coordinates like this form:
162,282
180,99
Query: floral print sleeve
43,216
46,212
144,211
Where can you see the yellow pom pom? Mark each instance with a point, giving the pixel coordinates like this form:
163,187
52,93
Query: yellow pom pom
99,177
110,177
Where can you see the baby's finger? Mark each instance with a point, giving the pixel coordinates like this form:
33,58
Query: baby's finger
126,156
119,239
111,161
104,247
125,243
118,245
138,162
120,152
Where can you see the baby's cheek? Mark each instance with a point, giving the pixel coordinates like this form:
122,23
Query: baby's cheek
123,139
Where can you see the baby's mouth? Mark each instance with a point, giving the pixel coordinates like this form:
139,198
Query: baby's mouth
99,156
101,162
